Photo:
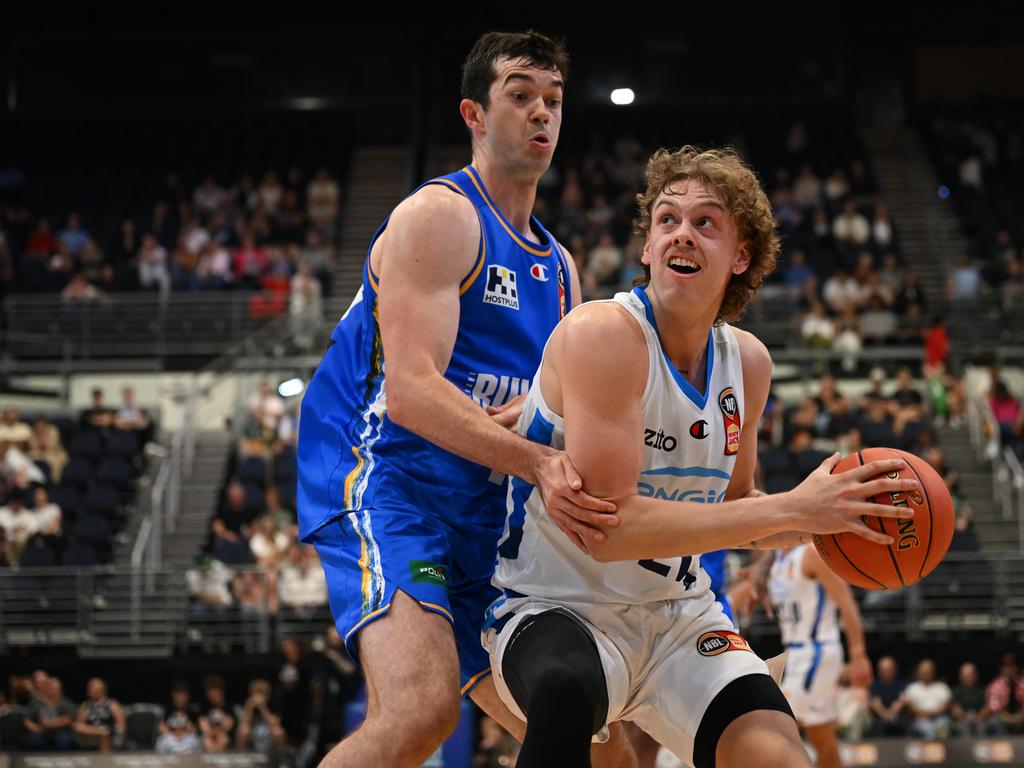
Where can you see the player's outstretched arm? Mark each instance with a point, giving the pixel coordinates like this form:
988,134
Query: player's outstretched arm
837,589
595,373
426,251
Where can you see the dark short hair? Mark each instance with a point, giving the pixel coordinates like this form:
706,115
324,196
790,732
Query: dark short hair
537,50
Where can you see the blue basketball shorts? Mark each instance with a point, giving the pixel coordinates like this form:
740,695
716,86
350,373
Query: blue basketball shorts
369,554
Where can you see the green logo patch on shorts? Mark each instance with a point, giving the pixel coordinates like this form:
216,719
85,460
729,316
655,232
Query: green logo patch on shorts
425,572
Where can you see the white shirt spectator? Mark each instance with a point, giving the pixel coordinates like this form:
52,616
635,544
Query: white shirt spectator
195,238
13,463
970,172
210,584
836,186
807,189
851,226
881,231
216,262
840,292
18,524
322,196
179,744
263,547
266,407
48,517
14,431
817,330
928,698
302,586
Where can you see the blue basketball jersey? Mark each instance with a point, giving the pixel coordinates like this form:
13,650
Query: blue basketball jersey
511,300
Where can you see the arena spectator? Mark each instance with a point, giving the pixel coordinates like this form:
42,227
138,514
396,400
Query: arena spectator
132,417
49,720
13,430
45,445
208,197
181,701
80,289
100,720
259,727
1004,698
853,709
49,517
230,529
841,292
41,242
881,226
216,720
265,409
836,186
302,585
97,416
851,227
304,307
968,704
887,700
19,524
928,700
17,469
323,197
936,344
807,188
73,236
268,543
179,736
209,584
817,329
152,263
1006,410
270,193
213,270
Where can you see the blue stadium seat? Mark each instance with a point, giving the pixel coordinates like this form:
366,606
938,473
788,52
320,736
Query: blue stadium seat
86,445
93,528
102,500
79,554
67,498
77,472
12,727
123,444
38,554
116,472
255,501
285,467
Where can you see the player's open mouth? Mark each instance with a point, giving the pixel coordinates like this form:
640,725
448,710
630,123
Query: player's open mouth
540,140
683,266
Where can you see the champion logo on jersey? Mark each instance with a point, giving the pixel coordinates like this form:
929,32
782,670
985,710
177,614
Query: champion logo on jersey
539,272
699,430
731,416
501,287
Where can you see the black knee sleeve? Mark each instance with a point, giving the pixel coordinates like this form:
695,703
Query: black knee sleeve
553,670
744,694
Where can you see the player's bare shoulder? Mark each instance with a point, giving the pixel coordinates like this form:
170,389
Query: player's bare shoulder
436,226
755,357
598,330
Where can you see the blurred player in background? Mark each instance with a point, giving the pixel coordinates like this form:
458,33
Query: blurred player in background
808,598
401,469
631,630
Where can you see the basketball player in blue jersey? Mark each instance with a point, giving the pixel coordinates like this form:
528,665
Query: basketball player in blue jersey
630,630
401,468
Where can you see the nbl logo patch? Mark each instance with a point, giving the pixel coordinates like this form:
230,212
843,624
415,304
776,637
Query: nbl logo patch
714,643
501,287
731,417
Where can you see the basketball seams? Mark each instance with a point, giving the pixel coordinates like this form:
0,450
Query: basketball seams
853,565
931,520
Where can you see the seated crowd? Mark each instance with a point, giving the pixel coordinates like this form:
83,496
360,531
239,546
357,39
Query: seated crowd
64,486
253,563
276,236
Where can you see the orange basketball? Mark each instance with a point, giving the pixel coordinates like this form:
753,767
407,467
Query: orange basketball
919,542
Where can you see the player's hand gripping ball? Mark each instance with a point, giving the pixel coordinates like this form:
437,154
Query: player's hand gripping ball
919,543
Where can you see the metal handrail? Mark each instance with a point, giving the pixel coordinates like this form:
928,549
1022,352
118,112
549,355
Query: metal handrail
1015,486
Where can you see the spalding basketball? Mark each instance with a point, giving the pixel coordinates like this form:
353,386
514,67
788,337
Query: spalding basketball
919,543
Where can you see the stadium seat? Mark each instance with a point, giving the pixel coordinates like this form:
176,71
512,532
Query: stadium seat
116,472
141,725
93,528
808,461
77,472
123,444
255,501
285,467
86,445
67,498
102,500
12,727
253,471
38,554
79,554
775,460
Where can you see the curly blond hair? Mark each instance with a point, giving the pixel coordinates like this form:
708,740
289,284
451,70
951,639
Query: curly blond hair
725,172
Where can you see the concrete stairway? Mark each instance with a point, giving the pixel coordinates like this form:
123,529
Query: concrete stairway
929,232
119,627
377,182
994,533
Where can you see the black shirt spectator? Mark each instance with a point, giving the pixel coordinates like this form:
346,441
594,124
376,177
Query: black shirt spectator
887,700
97,416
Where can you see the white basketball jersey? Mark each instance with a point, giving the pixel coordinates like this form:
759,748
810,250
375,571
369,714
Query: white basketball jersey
690,442
805,613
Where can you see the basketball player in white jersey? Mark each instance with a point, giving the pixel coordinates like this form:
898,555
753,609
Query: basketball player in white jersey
808,599
656,400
